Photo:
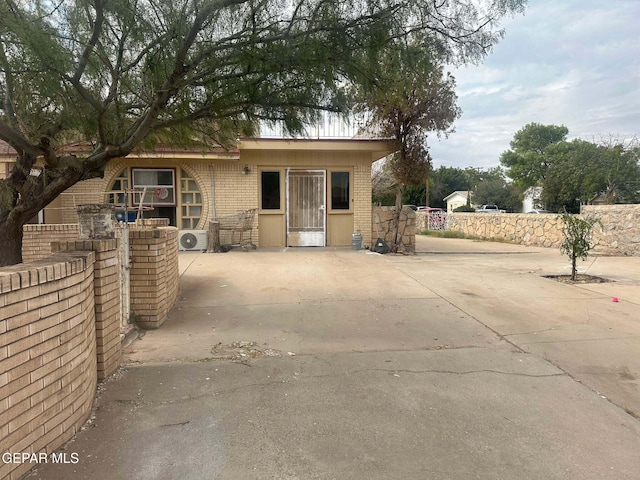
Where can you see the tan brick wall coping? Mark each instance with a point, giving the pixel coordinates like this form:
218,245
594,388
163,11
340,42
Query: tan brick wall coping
38,272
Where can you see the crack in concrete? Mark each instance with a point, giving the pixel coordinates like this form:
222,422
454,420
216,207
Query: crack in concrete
142,402
532,332
579,340
465,372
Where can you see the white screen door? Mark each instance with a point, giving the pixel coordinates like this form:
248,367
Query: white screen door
306,208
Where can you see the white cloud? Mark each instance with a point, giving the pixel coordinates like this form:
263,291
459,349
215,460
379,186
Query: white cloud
571,63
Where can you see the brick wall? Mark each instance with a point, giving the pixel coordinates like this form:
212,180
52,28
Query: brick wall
36,241
47,354
106,285
154,274
82,193
362,206
154,264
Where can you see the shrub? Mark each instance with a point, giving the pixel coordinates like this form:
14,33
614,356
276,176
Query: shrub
577,239
464,208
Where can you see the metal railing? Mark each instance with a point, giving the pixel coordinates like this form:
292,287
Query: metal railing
329,126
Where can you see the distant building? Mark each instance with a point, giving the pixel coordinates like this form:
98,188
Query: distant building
532,199
457,199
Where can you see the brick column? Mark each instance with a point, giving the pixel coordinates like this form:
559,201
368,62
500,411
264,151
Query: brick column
154,274
106,275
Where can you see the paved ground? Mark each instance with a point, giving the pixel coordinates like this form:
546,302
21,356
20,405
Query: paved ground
460,362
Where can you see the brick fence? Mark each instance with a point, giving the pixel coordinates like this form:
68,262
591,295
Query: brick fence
60,329
154,270
154,274
36,240
106,291
47,352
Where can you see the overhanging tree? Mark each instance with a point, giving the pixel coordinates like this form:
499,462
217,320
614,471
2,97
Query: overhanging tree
124,74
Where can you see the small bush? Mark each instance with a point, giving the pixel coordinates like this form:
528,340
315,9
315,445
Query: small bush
464,208
577,239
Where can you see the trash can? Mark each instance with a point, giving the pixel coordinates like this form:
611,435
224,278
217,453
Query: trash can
356,241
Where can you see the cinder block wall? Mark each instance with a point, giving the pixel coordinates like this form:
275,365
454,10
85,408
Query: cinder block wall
154,274
36,241
47,354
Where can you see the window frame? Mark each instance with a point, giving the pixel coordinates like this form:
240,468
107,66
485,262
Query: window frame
281,186
135,187
351,199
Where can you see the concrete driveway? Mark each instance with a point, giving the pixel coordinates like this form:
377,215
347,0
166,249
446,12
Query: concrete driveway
460,362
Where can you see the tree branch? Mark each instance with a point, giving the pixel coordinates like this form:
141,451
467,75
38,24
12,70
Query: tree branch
17,141
97,30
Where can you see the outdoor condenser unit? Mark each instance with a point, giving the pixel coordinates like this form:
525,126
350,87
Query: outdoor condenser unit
192,240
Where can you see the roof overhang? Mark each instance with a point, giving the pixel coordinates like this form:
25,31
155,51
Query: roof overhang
178,154
377,149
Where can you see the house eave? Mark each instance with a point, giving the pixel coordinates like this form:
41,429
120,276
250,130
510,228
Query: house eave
376,148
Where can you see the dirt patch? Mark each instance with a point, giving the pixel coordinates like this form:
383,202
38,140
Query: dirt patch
625,374
580,279
242,351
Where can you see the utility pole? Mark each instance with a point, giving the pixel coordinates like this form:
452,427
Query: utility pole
426,201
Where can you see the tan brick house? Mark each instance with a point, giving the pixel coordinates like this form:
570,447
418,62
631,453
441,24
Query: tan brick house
307,192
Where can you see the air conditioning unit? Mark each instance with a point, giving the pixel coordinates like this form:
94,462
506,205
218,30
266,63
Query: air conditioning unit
192,240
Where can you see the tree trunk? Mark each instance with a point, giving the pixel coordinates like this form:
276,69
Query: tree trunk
573,268
426,202
10,243
213,241
396,218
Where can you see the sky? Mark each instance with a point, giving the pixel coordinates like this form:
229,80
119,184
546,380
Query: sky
564,62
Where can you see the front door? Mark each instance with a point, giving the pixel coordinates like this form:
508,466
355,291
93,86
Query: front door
306,212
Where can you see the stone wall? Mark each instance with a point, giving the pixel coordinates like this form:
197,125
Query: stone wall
154,274
618,231
422,221
542,230
47,354
382,227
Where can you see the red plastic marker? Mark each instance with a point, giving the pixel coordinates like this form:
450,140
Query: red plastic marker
615,300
